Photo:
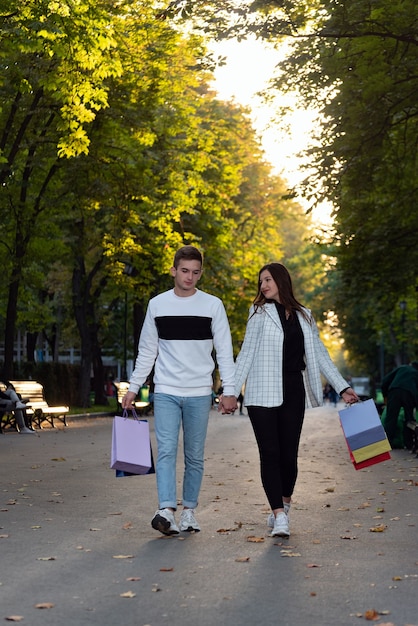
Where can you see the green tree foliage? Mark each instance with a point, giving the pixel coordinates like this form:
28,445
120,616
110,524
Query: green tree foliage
124,155
362,74
54,58
355,62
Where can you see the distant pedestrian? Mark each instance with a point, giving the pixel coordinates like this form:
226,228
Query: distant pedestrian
400,391
240,401
181,328
281,361
10,402
333,396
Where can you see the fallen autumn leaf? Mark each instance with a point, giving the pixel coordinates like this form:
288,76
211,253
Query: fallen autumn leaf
378,529
128,594
123,556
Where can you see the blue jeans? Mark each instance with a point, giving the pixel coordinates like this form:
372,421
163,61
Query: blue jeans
170,413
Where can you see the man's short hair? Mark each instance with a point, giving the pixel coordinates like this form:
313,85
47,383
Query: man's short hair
187,253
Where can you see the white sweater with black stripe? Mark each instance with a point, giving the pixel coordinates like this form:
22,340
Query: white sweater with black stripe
179,335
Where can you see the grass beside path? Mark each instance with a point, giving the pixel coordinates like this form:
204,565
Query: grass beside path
111,407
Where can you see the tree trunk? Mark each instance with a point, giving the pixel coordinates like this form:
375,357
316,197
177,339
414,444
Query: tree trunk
84,311
139,316
31,339
80,314
10,328
100,397
85,382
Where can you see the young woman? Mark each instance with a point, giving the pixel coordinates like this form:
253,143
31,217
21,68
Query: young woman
281,362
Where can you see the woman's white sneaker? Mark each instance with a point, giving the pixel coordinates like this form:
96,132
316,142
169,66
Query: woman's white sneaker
270,518
281,526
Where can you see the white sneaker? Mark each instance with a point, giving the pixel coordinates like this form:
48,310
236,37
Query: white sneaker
270,519
20,405
26,431
164,521
188,521
281,526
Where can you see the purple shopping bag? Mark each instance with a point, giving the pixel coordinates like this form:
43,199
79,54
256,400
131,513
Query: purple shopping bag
131,446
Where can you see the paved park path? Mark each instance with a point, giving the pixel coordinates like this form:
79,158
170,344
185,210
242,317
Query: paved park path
77,541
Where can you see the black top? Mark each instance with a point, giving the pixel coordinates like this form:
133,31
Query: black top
293,344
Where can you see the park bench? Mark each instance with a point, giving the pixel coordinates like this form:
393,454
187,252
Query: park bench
7,416
38,410
142,404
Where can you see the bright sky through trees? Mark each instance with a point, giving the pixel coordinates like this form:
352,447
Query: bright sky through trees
250,65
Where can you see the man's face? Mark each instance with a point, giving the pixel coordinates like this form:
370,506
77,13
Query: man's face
186,276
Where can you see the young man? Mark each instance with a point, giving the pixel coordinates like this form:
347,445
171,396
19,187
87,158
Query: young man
181,328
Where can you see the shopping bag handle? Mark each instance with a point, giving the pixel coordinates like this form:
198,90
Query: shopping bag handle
359,401
135,415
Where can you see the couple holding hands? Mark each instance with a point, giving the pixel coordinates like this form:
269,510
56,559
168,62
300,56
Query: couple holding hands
280,362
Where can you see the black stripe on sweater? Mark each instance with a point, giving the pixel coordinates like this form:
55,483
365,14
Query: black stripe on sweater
187,327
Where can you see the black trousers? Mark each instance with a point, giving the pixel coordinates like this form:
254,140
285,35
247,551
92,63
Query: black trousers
277,431
398,399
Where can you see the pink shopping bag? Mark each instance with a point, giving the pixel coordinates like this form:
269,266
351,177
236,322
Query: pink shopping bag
131,447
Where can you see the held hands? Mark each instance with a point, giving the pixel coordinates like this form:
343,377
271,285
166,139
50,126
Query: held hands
128,400
349,396
227,404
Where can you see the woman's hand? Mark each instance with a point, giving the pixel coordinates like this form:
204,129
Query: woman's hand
349,396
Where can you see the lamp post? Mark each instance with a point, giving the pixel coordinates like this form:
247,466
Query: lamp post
381,357
125,338
402,306
128,270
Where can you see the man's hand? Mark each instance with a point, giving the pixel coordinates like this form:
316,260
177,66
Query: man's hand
227,404
128,400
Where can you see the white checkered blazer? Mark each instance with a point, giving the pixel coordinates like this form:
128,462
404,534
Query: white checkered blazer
259,363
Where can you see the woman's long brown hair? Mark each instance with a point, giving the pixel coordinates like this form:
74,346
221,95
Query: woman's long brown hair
283,281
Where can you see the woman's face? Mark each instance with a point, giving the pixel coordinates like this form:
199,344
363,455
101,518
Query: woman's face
268,287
